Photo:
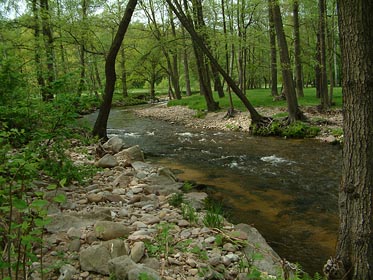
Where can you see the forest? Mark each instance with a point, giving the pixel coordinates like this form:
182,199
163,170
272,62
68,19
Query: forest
62,59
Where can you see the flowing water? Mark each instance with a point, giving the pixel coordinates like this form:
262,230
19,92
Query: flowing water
287,189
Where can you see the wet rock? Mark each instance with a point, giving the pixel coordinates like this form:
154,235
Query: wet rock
106,230
137,251
96,257
67,272
107,161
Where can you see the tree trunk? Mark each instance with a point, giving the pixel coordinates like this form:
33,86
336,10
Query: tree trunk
124,72
186,66
82,53
323,76
355,241
202,63
255,116
272,43
100,126
297,54
49,49
294,112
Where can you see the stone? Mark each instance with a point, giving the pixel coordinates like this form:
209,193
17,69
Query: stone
112,197
137,272
96,257
152,263
131,154
107,161
122,181
270,261
196,199
106,230
120,266
137,251
114,144
183,223
67,272
95,197
229,247
74,233
210,239
74,245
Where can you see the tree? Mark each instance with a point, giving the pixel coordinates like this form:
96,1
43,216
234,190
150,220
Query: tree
323,86
354,256
294,112
297,55
255,116
100,126
272,43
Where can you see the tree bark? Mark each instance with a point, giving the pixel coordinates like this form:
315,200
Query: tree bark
100,126
124,72
186,66
297,54
272,43
355,242
294,112
255,116
82,48
323,76
49,50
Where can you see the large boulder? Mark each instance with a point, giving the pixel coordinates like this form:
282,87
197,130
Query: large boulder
258,245
95,258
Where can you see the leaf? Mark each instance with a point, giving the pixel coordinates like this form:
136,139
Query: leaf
52,187
63,182
39,203
60,198
42,222
20,204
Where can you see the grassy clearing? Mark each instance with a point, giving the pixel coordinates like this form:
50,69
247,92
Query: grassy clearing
258,97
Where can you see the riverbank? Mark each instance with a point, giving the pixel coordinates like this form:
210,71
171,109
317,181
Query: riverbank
330,123
124,224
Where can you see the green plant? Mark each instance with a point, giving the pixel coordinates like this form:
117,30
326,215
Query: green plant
202,254
189,213
214,215
187,186
163,241
176,199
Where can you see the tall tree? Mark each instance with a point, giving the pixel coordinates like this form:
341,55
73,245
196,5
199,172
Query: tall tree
294,112
322,56
100,126
297,53
177,9
49,49
272,43
354,256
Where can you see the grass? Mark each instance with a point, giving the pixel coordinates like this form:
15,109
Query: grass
258,98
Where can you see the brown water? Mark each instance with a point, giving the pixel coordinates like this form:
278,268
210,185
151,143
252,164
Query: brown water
287,189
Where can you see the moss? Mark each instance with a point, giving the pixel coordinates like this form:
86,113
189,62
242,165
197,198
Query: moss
293,130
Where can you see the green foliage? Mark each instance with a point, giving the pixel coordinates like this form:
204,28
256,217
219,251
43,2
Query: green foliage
187,186
189,213
162,244
176,199
279,128
214,215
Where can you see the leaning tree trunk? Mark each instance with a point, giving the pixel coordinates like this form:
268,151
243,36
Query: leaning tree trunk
354,259
100,126
177,9
294,112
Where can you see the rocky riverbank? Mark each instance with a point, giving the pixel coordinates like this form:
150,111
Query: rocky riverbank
328,122
122,225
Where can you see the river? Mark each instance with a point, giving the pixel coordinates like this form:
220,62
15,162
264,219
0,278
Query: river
287,189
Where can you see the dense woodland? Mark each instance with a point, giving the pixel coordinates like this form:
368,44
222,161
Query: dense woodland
63,57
